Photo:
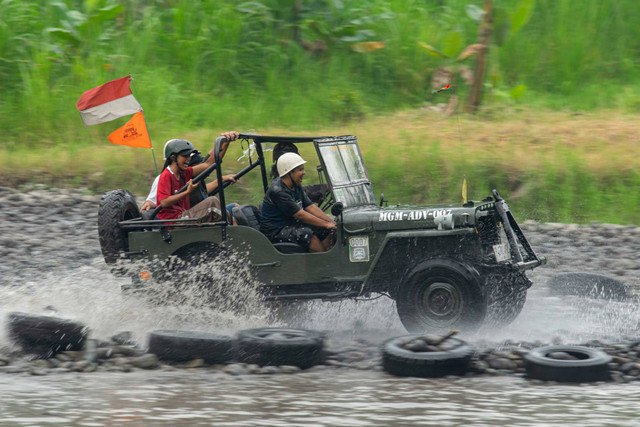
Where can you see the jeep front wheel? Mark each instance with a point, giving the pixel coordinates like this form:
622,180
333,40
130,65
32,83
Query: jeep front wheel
441,294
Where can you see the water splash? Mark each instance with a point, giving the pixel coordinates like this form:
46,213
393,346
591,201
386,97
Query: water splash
92,295
229,301
568,319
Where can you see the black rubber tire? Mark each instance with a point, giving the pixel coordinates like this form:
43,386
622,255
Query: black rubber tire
592,366
502,313
399,361
288,312
281,346
183,346
440,295
588,285
115,206
45,336
506,296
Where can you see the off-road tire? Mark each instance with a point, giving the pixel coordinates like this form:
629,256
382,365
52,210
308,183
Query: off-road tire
593,364
183,346
439,295
45,336
280,346
291,313
503,312
506,296
399,361
115,206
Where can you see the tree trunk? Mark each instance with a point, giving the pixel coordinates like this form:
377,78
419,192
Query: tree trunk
484,35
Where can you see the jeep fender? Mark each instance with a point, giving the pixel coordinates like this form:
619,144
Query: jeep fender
401,251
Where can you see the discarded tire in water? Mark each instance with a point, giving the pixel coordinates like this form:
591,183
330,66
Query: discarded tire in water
588,285
567,363
281,346
45,336
423,356
182,346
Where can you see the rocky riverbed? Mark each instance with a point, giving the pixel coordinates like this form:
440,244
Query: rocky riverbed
47,233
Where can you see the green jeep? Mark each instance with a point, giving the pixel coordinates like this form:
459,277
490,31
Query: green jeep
445,266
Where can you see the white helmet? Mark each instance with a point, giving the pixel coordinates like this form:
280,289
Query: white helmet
288,162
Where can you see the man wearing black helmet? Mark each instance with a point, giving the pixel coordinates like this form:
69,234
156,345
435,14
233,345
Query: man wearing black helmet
177,173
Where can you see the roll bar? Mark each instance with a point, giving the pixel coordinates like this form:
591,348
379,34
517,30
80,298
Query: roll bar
258,140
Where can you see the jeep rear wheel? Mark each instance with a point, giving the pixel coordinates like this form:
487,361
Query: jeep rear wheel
441,294
115,206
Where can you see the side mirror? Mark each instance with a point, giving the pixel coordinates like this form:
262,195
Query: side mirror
382,200
337,208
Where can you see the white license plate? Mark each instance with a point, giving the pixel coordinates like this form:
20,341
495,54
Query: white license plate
502,252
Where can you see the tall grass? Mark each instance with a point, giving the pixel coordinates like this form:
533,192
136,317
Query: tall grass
221,63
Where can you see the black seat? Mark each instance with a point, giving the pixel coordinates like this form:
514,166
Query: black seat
249,216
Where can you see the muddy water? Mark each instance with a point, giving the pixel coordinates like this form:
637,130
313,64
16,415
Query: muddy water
63,273
321,396
350,398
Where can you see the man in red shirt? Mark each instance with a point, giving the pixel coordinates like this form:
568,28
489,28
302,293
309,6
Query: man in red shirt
177,173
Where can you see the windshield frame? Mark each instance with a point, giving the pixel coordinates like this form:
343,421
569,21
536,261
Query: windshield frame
360,186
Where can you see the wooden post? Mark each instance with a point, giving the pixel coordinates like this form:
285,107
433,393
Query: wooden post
484,35
297,13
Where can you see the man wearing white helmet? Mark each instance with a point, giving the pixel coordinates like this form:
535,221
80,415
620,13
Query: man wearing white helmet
288,215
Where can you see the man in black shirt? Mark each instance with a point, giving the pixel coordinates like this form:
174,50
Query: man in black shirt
288,215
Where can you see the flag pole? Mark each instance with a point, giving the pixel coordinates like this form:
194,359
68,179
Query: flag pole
155,165
153,154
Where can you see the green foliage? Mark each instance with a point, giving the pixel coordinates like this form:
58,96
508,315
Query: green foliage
219,64
257,63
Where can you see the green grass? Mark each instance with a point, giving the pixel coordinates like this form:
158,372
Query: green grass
221,63
550,166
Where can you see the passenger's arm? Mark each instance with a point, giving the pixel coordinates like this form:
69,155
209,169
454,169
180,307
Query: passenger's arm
175,198
147,205
229,136
213,185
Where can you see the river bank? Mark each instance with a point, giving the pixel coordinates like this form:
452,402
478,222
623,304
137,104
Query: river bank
49,233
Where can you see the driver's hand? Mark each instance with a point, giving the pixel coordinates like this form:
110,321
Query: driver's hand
330,226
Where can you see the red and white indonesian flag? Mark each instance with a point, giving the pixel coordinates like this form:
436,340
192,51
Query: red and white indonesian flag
108,102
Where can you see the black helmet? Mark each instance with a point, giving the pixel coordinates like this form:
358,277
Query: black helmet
280,149
283,147
196,158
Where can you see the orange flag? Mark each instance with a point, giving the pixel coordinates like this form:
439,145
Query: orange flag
133,133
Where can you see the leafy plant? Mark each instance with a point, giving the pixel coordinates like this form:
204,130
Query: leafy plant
79,31
453,54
